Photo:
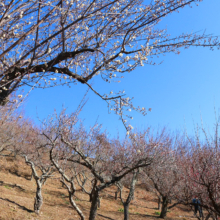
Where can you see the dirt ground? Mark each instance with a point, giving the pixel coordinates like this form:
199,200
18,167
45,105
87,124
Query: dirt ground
17,194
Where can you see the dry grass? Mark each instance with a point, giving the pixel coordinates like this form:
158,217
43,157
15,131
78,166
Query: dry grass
17,194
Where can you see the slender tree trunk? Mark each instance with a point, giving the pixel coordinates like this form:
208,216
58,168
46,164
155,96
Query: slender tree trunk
94,205
126,211
164,207
39,198
130,195
72,202
44,181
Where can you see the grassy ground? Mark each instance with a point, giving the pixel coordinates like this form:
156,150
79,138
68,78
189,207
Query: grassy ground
17,194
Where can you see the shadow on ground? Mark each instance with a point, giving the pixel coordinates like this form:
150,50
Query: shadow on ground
105,217
20,206
8,185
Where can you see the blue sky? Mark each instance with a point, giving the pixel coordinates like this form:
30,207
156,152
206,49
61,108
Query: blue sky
180,91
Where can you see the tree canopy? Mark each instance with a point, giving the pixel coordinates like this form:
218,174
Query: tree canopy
50,43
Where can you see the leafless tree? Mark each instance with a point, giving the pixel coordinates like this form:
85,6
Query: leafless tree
32,147
163,175
40,178
132,180
107,161
201,171
68,180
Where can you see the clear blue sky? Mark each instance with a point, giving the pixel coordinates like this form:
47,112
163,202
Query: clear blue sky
179,91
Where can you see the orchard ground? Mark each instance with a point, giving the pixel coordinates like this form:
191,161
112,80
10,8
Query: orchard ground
17,193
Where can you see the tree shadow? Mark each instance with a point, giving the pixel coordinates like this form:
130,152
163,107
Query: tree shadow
151,208
11,186
67,203
19,174
62,195
20,206
144,215
105,217
151,216
55,193
144,206
184,208
14,171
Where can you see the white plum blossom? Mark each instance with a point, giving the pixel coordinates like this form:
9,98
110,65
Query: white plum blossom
130,126
136,57
127,58
85,41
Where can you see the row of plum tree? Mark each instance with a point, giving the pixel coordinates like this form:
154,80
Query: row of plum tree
175,167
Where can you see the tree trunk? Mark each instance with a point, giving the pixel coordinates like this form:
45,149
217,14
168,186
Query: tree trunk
213,217
94,206
38,199
99,202
116,193
72,202
44,181
90,197
159,202
164,207
130,195
126,211
208,216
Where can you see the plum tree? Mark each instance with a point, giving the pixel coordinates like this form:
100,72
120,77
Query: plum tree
49,43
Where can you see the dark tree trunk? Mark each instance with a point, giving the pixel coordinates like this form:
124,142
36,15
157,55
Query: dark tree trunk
126,211
94,206
164,207
38,199
90,197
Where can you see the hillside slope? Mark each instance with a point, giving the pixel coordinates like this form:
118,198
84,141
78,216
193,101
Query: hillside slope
17,194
